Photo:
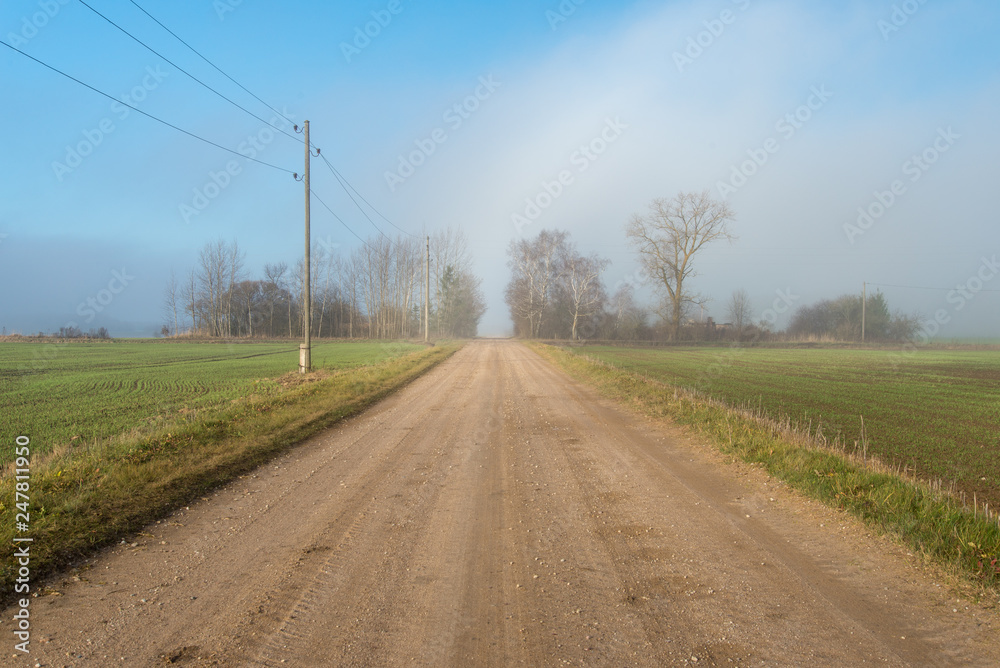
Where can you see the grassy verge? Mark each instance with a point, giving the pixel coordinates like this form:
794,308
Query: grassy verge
951,400
63,392
930,521
91,495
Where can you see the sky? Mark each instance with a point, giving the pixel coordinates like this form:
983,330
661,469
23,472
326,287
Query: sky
856,142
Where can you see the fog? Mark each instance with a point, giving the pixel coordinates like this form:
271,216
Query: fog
856,144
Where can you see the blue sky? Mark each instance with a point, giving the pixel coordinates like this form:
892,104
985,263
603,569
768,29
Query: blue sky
677,95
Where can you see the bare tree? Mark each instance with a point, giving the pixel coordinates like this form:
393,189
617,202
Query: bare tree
840,319
581,278
386,277
350,283
628,318
669,236
234,259
274,290
211,285
462,304
190,296
535,268
322,270
170,299
249,297
220,267
449,248
377,288
739,311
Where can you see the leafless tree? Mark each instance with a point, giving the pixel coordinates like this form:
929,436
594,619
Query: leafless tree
220,267
274,292
190,296
375,291
170,299
234,264
628,318
322,272
669,236
739,311
581,280
349,280
449,248
386,282
535,270
461,304
247,299
212,285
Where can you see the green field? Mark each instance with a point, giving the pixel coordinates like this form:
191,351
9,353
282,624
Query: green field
123,432
935,411
84,391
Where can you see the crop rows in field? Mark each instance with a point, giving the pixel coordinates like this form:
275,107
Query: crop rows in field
85,391
937,412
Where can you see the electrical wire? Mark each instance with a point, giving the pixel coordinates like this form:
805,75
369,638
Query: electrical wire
344,183
148,115
377,228
217,68
339,220
160,55
340,179
190,134
917,287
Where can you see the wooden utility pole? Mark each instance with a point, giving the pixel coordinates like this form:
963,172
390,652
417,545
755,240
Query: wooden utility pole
305,348
427,293
864,300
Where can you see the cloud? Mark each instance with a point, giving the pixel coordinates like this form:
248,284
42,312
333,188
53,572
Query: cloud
683,127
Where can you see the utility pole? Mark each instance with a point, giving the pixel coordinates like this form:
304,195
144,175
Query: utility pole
305,348
427,293
864,300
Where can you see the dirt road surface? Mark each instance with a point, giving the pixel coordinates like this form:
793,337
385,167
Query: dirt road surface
496,513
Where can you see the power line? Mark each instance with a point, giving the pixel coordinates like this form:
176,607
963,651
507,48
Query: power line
337,176
340,179
148,115
377,228
313,192
917,287
160,55
196,52
348,228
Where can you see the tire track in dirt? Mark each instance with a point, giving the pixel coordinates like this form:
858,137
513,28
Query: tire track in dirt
496,513
852,612
337,583
678,592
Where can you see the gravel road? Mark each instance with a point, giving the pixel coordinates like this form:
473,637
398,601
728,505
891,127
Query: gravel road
496,513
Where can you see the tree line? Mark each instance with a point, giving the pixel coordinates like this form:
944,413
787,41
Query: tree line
376,291
555,292
841,319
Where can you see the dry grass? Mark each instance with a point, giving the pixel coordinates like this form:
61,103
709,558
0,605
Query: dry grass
927,518
87,495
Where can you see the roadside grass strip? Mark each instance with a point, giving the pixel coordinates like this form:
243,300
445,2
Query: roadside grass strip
929,520
935,413
89,495
60,393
